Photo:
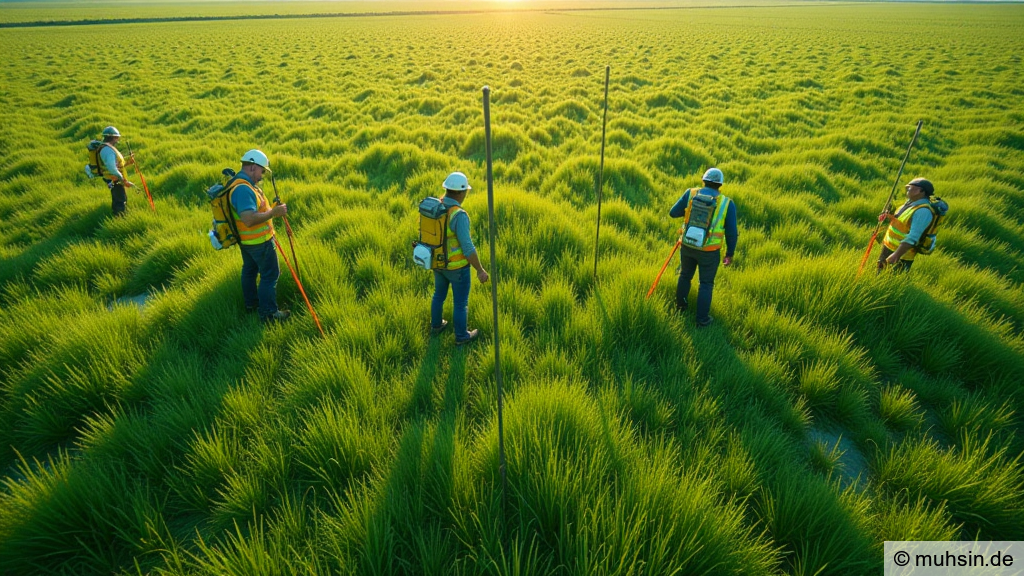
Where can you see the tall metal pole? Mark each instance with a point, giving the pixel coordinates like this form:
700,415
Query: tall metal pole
287,226
494,307
600,173
888,203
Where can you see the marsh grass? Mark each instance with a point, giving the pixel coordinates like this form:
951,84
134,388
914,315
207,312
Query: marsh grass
182,437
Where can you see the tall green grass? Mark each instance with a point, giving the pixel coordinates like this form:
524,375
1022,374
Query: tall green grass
819,416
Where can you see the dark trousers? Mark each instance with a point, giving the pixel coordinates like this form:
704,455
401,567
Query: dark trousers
707,262
901,266
260,260
118,198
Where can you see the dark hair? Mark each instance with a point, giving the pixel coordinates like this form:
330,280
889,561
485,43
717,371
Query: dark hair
712,185
110,138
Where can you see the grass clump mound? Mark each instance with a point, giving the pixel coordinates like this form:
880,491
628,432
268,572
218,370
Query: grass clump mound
506,145
576,181
387,165
675,156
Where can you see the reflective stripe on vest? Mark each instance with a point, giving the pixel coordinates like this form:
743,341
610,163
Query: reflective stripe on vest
456,260
898,230
259,233
716,231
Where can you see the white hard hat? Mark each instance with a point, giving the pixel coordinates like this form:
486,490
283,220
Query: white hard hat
456,182
254,156
713,175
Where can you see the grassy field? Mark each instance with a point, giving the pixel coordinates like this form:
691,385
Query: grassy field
62,11
818,417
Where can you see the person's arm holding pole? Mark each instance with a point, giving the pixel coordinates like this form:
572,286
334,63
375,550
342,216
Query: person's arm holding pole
287,226
885,215
678,210
134,162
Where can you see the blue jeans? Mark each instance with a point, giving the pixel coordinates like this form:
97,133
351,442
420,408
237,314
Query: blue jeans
691,260
260,259
460,282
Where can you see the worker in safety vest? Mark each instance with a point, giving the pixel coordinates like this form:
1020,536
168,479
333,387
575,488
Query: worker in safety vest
461,255
112,169
709,222
254,216
906,228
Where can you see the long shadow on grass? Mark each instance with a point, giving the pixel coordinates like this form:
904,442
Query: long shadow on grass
421,402
410,532
89,510
801,511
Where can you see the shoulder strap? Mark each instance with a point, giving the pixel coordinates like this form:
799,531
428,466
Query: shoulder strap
99,158
913,209
721,210
935,220
233,185
451,213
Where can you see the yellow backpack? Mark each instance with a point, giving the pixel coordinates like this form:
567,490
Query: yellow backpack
939,208
697,226
94,169
224,231
431,251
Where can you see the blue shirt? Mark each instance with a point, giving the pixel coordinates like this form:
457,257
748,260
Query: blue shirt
109,159
731,233
918,222
244,197
460,224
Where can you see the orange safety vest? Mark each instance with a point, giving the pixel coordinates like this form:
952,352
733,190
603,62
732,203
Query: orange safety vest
259,233
898,229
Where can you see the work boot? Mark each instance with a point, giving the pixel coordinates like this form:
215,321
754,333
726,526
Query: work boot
705,324
682,305
472,336
279,316
439,329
